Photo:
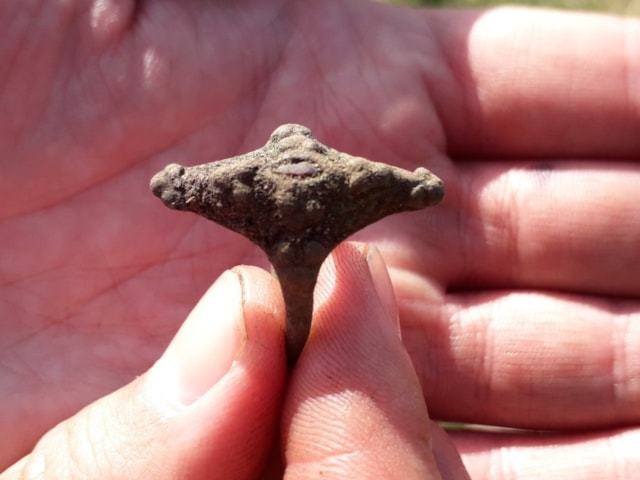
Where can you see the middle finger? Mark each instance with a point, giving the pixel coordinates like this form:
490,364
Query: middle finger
562,225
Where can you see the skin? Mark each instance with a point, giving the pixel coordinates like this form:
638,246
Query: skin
518,298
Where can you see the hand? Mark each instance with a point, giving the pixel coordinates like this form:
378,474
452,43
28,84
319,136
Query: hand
211,406
99,275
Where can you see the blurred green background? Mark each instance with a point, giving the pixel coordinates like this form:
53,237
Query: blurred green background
627,7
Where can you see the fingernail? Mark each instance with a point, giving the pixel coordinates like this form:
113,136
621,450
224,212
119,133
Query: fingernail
383,286
206,345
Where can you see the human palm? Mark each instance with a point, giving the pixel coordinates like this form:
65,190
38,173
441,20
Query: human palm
518,296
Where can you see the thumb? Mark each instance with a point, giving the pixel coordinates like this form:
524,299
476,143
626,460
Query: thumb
207,409
355,407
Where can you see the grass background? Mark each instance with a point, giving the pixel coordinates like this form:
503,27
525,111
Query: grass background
625,7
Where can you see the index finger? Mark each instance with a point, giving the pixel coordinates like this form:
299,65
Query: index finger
538,83
354,406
